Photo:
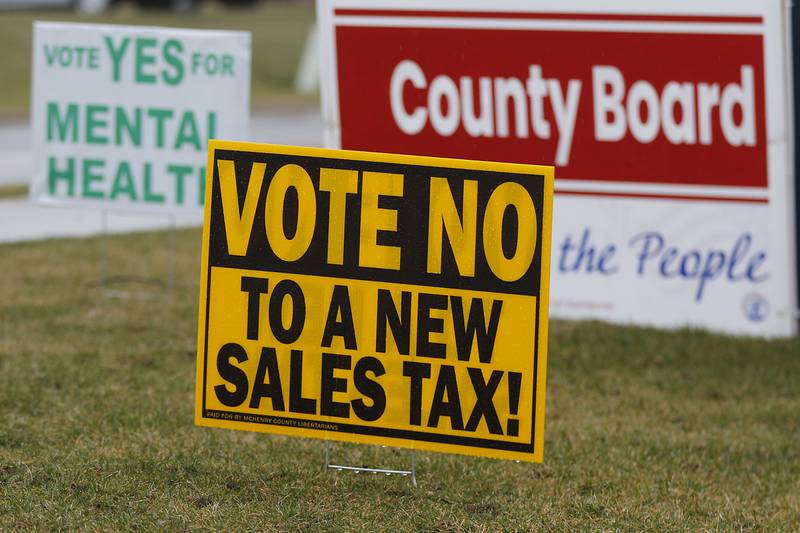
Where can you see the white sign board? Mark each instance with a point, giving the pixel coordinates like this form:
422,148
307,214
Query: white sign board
121,115
668,123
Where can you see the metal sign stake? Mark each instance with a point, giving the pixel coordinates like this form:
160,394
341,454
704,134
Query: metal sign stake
365,470
173,229
103,247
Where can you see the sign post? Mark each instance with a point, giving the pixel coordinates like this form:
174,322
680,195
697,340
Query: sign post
375,298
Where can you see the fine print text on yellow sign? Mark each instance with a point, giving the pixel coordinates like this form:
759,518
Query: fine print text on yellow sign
375,298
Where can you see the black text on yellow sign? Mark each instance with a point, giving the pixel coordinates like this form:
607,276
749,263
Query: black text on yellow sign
375,298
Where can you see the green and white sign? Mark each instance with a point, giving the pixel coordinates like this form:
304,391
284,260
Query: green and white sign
121,115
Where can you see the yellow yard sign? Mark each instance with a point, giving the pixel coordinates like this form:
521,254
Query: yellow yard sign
375,298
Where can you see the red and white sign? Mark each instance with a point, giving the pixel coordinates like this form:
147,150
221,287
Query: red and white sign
668,123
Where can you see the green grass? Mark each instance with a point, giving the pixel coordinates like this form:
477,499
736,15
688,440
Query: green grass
278,28
13,191
646,430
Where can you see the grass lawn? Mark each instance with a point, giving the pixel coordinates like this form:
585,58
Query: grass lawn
278,28
13,191
646,430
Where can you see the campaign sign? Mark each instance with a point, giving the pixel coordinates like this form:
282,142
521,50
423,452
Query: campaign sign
121,115
375,298
668,122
